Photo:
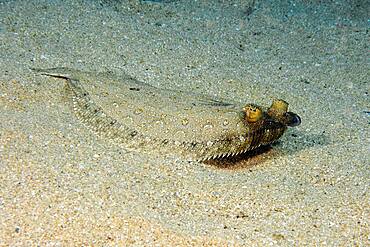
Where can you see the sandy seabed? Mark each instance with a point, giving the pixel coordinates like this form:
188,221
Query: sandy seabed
62,185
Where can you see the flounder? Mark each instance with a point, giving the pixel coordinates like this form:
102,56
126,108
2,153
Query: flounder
138,116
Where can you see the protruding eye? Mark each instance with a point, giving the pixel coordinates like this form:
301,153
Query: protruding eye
252,113
279,112
278,108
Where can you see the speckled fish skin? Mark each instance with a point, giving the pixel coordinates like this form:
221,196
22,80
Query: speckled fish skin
141,117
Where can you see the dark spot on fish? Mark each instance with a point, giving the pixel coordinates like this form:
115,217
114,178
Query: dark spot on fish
133,133
305,81
134,89
248,11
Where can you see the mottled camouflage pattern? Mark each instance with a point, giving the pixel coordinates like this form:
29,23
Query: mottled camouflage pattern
141,117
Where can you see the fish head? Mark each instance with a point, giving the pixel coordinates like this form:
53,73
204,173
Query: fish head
268,125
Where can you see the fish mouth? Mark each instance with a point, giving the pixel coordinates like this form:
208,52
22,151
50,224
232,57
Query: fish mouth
293,119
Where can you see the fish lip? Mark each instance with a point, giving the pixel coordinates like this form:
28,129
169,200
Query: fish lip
293,119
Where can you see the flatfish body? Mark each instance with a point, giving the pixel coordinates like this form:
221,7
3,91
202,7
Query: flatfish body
138,116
